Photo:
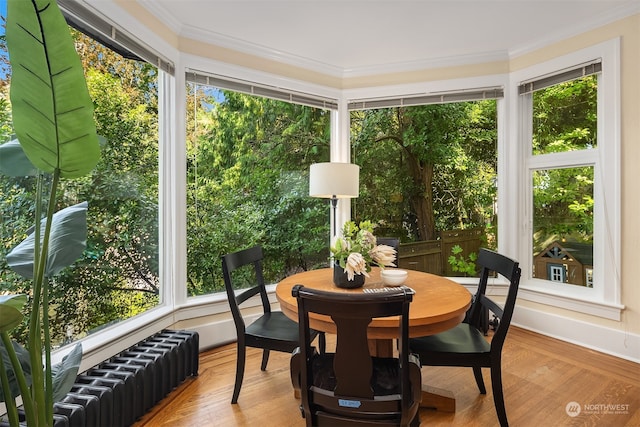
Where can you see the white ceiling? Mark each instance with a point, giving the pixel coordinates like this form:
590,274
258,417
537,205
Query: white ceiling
358,36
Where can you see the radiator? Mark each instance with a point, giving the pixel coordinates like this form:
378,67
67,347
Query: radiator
120,390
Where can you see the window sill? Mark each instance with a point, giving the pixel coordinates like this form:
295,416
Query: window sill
105,343
581,305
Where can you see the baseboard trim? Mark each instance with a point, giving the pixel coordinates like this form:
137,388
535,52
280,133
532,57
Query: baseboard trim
615,342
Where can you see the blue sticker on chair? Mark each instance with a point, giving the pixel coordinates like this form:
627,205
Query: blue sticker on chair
349,403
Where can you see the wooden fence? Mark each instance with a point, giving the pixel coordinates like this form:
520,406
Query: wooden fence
432,256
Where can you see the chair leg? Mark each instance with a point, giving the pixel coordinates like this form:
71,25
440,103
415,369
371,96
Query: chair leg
477,372
239,372
498,396
416,420
265,359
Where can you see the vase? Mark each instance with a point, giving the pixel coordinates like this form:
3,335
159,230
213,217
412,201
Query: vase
341,279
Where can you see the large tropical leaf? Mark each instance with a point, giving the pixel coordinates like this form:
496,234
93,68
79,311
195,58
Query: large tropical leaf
64,374
10,317
10,311
16,301
23,357
67,243
51,107
13,161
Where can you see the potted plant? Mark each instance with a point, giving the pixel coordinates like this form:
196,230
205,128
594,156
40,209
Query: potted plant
56,136
356,252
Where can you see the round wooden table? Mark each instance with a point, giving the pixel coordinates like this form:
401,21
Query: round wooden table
438,304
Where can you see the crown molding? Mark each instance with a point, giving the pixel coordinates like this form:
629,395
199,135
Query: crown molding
622,12
259,51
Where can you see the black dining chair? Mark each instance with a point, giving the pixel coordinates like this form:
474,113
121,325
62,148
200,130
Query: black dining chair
465,345
350,387
272,330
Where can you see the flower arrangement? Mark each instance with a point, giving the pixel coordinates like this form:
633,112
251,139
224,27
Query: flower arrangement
357,250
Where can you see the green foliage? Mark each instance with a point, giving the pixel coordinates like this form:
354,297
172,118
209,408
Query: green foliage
565,119
117,277
50,103
53,119
565,116
426,168
460,264
247,184
66,244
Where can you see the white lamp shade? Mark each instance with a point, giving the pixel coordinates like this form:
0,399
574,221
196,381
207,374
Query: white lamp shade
334,179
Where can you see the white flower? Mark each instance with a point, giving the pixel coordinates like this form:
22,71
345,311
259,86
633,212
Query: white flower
368,239
356,264
383,255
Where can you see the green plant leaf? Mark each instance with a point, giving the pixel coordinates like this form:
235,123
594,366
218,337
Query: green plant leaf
16,301
13,160
23,357
67,243
64,374
51,108
10,317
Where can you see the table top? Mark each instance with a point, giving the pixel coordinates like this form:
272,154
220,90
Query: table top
438,304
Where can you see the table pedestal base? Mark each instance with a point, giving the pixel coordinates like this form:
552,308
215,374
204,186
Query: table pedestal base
432,397
438,399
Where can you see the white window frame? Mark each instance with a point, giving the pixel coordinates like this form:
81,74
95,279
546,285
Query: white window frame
604,298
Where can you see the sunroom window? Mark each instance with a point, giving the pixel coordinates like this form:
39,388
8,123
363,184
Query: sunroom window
118,275
428,175
249,148
570,117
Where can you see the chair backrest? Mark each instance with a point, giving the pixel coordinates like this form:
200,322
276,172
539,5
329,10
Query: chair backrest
491,261
234,261
350,392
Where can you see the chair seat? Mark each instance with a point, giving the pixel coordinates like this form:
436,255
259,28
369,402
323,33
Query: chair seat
464,338
274,325
272,330
385,378
465,345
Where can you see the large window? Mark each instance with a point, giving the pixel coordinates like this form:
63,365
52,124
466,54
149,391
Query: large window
117,276
248,163
570,117
429,177
564,120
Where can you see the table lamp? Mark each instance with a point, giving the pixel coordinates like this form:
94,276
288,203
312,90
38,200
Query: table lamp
332,180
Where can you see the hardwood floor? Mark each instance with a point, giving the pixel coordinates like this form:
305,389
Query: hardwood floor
541,376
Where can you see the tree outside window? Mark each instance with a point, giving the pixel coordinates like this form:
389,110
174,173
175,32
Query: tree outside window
564,121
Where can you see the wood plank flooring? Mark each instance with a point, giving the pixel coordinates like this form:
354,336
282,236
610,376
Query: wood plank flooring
541,376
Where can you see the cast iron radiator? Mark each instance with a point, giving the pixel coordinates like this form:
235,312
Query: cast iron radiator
120,390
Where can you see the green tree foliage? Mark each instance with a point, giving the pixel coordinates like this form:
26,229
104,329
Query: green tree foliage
426,168
248,164
564,119
460,264
118,274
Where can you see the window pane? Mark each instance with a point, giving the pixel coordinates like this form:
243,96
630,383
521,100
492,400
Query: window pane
565,116
428,173
117,276
248,184
563,225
